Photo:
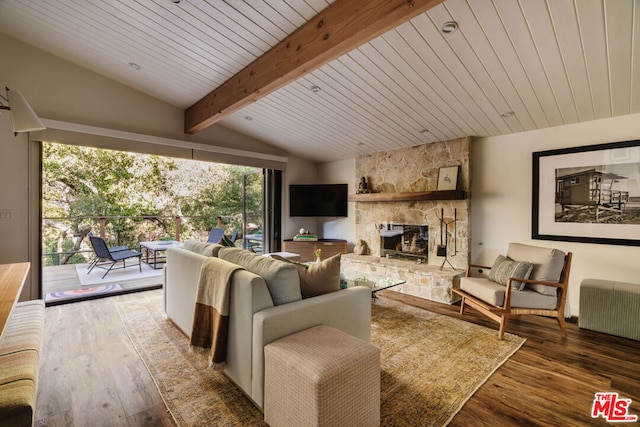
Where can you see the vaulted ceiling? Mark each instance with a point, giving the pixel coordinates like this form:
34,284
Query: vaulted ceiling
511,65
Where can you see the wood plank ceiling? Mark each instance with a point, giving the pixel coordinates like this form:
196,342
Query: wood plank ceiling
511,66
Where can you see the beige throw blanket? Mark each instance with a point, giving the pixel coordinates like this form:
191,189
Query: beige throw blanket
211,315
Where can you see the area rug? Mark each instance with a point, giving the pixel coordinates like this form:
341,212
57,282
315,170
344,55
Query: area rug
114,276
82,293
430,366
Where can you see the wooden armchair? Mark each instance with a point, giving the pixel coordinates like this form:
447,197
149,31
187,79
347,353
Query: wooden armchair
529,280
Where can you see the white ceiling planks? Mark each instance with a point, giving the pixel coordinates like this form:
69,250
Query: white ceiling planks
550,62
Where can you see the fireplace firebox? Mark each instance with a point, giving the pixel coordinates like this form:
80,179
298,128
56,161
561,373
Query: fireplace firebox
405,241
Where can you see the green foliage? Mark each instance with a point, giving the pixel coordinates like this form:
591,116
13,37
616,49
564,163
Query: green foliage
80,184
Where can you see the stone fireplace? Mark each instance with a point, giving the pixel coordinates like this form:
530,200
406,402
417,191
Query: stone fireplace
444,217
405,241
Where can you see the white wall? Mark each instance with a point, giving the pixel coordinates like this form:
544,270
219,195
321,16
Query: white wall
298,171
501,199
340,172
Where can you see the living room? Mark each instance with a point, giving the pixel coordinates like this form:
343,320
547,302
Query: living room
79,104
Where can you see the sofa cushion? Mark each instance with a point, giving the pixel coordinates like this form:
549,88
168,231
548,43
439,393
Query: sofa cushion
504,268
281,278
202,248
547,264
317,278
493,293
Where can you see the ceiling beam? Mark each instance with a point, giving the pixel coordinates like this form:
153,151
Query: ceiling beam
341,27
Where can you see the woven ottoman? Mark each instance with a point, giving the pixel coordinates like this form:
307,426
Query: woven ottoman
321,377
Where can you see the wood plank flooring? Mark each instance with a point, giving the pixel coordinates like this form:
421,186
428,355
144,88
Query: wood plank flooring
551,380
90,374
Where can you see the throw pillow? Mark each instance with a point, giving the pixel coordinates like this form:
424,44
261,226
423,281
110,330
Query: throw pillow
317,278
504,268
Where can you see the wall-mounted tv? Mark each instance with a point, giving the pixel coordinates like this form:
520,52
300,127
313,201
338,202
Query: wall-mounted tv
318,200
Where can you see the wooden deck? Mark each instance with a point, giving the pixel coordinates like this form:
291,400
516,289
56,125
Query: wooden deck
63,278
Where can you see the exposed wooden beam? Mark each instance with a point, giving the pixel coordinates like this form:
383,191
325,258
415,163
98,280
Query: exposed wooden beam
340,28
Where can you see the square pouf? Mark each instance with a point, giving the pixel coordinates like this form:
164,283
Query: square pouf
321,377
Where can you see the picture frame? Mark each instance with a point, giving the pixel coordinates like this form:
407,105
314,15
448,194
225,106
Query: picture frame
587,194
448,178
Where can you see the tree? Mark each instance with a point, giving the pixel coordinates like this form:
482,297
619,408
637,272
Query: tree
143,192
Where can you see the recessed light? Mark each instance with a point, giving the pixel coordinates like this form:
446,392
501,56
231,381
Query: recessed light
449,27
315,89
248,118
508,114
134,66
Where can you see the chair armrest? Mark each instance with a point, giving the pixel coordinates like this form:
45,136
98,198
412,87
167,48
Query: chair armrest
347,309
540,282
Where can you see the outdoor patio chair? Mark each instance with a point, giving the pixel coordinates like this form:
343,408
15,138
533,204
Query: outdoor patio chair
105,256
215,235
112,249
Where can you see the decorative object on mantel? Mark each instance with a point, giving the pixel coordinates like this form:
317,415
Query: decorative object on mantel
448,178
363,187
361,248
444,232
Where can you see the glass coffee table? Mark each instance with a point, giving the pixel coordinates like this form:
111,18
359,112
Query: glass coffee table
375,282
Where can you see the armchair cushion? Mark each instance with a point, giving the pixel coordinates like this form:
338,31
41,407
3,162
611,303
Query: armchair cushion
547,265
503,269
493,293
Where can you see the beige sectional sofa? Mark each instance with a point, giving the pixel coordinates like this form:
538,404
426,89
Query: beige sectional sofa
265,304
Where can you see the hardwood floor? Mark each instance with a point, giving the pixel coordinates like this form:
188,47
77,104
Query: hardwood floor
90,374
551,380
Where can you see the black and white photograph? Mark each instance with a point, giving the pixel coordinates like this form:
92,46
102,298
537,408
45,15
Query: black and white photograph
588,194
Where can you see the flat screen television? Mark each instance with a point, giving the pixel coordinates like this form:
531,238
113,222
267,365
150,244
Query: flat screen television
328,200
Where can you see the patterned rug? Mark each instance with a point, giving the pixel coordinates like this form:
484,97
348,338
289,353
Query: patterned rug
82,293
430,366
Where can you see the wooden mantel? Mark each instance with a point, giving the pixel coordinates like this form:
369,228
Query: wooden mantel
413,196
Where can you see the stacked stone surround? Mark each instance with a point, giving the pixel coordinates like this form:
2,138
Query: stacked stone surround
415,169
421,280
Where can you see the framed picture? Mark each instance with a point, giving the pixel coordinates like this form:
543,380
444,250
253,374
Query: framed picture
448,178
588,194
